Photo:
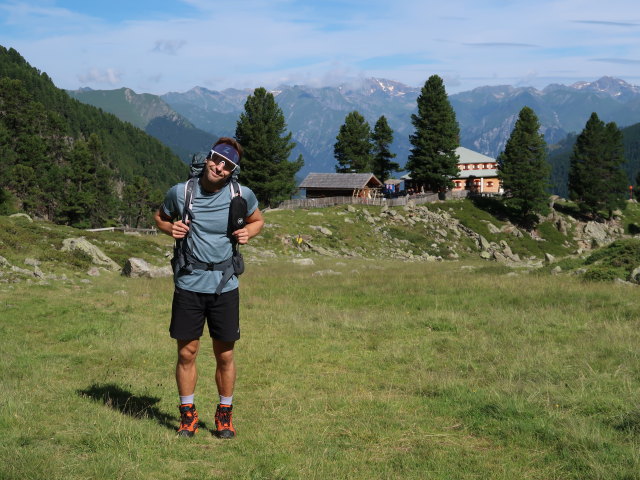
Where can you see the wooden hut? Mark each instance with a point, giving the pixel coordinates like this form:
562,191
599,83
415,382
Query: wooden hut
319,185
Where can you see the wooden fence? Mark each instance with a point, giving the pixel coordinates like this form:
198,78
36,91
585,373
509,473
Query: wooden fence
390,202
144,231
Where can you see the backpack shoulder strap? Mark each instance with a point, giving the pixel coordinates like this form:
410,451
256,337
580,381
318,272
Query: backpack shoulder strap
187,212
236,191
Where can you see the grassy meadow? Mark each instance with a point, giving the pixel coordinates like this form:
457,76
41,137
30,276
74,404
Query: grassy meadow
370,369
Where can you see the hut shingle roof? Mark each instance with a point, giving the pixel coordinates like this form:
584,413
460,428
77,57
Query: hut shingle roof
339,180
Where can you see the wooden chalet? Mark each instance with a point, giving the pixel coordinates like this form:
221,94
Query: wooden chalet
363,185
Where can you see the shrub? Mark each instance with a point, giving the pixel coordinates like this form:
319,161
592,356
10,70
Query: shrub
623,254
601,273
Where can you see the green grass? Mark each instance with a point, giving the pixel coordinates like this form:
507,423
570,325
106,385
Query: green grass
389,370
20,239
631,220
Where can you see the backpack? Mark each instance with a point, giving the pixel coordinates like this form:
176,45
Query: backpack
183,259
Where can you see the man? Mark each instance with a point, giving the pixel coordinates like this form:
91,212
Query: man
194,299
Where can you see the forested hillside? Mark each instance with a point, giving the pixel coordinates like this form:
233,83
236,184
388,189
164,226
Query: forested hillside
151,114
70,162
561,153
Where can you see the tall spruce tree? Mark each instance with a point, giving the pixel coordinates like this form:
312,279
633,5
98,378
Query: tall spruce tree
382,138
352,149
596,179
265,166
523,168
433,160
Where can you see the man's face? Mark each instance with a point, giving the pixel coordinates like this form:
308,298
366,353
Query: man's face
219,168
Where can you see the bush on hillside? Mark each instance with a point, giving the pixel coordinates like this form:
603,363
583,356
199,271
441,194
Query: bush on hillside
619,254
7,203
601,273
617,260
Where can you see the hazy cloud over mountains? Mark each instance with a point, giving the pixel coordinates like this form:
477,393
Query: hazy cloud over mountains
170,45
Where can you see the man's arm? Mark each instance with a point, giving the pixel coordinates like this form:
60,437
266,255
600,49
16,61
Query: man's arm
253,225
166,225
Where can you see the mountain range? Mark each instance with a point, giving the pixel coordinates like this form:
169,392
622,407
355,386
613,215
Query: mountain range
149,113
190,120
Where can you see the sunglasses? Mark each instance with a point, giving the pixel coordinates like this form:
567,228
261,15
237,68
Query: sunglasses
227,165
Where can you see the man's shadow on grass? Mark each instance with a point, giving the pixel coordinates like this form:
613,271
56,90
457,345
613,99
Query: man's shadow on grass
127,403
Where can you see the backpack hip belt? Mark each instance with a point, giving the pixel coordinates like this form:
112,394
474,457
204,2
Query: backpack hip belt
226,267
220,267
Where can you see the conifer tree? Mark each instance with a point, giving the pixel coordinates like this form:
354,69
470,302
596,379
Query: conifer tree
265,165
353,147
596,179
87,200
433,160
382,138
523,168
139,201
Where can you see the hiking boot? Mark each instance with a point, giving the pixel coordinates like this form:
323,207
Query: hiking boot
224,425
188,420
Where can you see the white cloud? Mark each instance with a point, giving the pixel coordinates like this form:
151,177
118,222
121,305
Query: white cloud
248,43
169,47
97,76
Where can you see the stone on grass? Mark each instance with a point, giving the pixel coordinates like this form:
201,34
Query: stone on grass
634,276
97,256
137,267
322,273
93,272
303,261
21,215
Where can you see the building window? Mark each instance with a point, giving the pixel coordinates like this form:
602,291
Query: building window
489,184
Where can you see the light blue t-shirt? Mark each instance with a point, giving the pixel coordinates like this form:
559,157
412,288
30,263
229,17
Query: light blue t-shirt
208,238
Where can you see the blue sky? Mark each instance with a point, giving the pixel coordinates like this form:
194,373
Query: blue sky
160,46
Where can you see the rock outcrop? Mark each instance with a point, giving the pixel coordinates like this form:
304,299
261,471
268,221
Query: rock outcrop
137,267
97,256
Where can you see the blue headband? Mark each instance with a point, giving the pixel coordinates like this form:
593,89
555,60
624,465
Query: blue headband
227,152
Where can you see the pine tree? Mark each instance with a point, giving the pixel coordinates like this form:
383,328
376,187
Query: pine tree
523,168
596,179
139,202
265,165
382,138
433,160
353,147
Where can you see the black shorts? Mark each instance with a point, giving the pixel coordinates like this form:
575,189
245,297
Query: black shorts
190,309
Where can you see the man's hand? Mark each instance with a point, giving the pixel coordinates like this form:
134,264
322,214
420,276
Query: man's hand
166,225
253,225
242,236
179,230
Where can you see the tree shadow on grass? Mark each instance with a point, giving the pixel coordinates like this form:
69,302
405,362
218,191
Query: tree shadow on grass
497,208
127,403
572,210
